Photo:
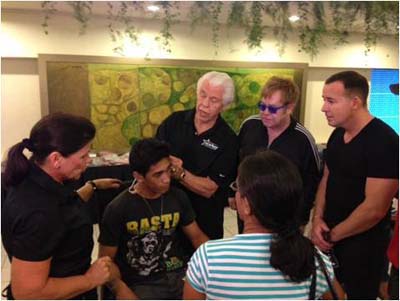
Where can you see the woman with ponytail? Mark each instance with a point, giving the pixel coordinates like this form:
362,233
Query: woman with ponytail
271,259
46,232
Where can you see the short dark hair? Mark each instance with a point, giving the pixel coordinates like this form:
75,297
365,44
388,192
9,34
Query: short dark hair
147,152
61,132
354,83
273,187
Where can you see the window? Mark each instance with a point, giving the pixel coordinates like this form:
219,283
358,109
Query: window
383,104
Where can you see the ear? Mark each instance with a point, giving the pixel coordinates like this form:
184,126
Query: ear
138,176
55,159
290,107
246,206
356,102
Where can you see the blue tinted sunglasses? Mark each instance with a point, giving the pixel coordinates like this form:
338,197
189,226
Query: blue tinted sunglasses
272,109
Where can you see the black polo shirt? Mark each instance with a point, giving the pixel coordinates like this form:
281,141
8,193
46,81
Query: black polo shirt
295,143
44,219
211,154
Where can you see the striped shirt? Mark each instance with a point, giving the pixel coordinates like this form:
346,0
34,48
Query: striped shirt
239,268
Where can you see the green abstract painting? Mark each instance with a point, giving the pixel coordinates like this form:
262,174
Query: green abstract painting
128,102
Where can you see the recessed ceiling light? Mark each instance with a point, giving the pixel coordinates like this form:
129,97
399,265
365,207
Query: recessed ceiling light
294,18
153,8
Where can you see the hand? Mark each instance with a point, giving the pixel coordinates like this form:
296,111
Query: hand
176,162
317,234
115,273
176,173
232,203
107,183
99,272
176,167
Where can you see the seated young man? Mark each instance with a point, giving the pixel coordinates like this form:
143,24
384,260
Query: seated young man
139,228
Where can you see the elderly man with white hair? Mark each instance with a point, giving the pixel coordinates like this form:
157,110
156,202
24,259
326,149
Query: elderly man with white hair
205,151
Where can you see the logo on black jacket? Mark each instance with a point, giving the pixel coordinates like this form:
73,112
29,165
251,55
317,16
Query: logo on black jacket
209,144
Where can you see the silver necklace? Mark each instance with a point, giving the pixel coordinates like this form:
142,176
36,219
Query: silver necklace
160,225
133,191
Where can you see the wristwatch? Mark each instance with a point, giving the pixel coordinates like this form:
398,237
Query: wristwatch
93,184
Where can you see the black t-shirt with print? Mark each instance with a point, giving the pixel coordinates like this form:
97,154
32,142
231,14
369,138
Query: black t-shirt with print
147,248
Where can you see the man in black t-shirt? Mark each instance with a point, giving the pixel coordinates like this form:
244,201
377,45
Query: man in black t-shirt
360,180
205,151
139,228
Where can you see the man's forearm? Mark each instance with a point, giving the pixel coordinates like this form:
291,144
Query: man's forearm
198,241
57,288
319,203
379,193
121,290
200,185
359,221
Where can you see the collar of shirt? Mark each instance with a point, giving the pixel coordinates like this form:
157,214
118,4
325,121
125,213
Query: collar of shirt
286,132
189,120
44,180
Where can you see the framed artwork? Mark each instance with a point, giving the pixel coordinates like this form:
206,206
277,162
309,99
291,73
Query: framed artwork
127,99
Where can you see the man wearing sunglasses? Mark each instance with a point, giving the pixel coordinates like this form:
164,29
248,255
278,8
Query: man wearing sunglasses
274,128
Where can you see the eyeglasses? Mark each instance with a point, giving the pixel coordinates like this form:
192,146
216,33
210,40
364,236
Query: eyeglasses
234,186
272,109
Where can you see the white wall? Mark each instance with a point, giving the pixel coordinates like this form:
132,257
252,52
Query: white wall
314,119
20,100
23,37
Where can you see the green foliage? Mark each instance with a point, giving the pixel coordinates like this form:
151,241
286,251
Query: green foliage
312,29
378,16
237,17
237,14
215,8
120,24
344,14
315,27
49,9
255,31
199,14
82,11
168,20
207,12
279,12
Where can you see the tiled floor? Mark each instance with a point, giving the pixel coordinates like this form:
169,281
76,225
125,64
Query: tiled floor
230,229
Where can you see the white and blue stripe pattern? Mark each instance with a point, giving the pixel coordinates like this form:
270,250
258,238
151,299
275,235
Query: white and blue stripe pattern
239,268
